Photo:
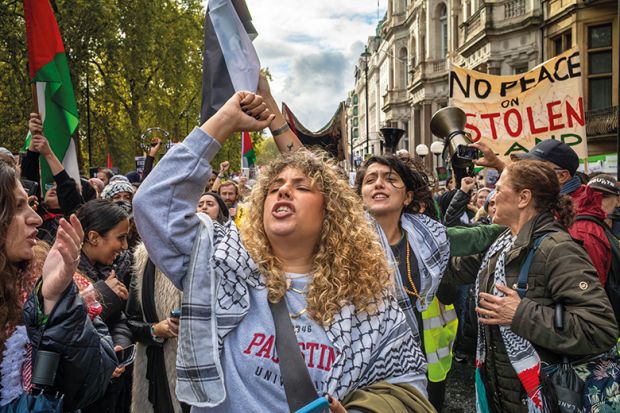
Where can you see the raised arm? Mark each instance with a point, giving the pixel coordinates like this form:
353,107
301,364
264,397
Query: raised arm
165,206
457,207
150,158
466,241
283,136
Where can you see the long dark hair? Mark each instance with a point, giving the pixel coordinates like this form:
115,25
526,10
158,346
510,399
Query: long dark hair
224,215
100,215
10,304
414,181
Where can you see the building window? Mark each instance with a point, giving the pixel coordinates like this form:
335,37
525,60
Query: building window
599,66
521,68
405,141
443,27
562,42
403,69
514,8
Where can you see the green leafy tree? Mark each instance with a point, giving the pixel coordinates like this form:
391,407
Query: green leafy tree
137,64
267,151
231,151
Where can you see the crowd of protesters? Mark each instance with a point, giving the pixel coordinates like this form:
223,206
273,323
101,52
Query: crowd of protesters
158,290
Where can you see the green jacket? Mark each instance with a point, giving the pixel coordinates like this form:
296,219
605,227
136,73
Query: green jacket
383,397
466,241
560,272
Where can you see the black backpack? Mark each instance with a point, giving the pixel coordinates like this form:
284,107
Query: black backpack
612,288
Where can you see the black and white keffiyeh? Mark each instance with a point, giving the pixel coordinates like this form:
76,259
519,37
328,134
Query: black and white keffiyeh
522,355
429,242
370,348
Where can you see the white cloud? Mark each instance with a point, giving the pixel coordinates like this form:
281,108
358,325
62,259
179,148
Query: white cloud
311,48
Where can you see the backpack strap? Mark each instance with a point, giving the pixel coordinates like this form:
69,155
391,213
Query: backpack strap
298,386
525,267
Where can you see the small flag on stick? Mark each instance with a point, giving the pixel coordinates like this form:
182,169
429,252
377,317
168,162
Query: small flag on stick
247,150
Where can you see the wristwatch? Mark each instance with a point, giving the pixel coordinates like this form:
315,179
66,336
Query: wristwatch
156,339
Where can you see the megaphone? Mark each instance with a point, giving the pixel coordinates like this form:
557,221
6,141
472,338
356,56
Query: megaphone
391,137
449,123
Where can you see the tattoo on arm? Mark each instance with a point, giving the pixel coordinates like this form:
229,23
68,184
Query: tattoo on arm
290,147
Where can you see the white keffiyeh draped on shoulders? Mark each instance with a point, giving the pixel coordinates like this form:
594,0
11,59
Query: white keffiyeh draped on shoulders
370,348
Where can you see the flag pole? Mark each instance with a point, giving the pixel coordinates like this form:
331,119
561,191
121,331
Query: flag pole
35,100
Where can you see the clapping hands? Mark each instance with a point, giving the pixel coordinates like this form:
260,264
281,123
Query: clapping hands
62,261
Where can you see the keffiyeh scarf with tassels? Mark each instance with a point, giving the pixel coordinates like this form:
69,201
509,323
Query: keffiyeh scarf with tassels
521,353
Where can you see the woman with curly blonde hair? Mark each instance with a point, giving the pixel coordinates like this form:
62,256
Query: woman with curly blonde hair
305,246
347,266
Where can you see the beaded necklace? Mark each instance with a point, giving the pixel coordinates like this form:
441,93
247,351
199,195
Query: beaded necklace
414,292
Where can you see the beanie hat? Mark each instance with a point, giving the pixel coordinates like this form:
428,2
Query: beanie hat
133,176
116,187
122,178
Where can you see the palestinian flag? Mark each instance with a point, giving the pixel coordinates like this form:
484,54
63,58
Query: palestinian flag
230,63
247,150
49,71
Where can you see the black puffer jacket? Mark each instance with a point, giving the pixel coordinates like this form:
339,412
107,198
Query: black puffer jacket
85,346
561,272
457,201
113,313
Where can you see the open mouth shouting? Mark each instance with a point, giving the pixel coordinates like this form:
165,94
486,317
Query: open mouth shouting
282,210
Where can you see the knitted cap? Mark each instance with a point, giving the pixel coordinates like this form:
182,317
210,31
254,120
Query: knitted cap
116,187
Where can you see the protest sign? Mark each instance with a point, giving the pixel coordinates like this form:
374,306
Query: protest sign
511,114
140,160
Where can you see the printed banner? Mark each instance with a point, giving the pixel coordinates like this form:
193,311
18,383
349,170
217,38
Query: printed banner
511,114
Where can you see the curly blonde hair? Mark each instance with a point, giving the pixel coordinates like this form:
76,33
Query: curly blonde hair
349,265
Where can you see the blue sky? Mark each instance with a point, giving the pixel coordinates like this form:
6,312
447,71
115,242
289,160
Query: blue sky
311,48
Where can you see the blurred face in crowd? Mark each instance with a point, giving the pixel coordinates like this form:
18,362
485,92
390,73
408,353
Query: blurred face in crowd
294,208
384,192
51,198
22,230
491,208
481,197
212,180
562,174
610,202
450,185
96,184
228,194
122,196
208,205
106,247
104,177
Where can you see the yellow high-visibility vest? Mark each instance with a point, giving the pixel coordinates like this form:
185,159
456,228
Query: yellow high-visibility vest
240,215
440,325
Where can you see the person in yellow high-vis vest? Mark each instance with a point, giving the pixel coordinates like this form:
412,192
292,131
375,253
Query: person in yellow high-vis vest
440,325
418,247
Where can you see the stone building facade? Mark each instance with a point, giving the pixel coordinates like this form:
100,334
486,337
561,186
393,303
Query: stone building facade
405,71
